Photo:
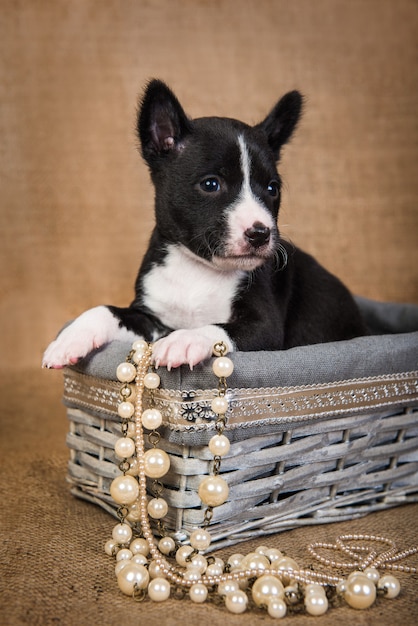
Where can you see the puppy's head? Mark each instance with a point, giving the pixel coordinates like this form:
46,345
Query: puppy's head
217,189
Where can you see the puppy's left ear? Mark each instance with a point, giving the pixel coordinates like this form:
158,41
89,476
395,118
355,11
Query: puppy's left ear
162,123
282,121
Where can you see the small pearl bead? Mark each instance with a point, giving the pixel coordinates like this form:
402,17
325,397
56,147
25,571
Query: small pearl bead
151,419
219,445
126,372
110,547
266,586
166,545
219,405
276,607
132,576
122,533
213,491
159,589
126,410
134,514
156,463
198,593
236,602
151,380
200,539
360,592
390,585
372,574
316,603
124,447
222,366
124,555
124,489
139,546
157,508
133,466
227,586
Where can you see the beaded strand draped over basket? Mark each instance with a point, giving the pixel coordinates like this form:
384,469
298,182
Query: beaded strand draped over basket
301,452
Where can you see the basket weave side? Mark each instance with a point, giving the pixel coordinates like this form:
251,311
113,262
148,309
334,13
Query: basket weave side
304,470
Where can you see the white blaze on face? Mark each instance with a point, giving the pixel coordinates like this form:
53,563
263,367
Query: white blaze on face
246,211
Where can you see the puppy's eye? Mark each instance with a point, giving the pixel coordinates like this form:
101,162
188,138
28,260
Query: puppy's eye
210,184
273,189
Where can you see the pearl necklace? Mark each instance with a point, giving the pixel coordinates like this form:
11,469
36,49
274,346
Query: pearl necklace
272,580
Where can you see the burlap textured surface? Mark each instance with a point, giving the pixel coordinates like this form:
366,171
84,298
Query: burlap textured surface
54,570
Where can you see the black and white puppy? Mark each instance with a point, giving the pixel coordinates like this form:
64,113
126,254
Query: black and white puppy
216,267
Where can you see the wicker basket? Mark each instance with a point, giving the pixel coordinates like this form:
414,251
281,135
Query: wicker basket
302,452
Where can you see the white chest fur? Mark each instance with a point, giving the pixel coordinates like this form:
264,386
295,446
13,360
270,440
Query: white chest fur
185,292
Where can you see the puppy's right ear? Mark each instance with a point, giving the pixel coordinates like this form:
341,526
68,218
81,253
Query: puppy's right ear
162,124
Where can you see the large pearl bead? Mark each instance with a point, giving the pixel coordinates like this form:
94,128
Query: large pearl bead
151,419
126,372
226,587
157,508
166,545
200,539
254,560
222,367
122,533
139,546
219,445
236,602
159,589
198,593
124,489
156,463
219,405
276,607
213,491
390,585
360,592
182,554
111,547
286,565
316,603
140,345
124,447
265,587
151,380
126,410
133,577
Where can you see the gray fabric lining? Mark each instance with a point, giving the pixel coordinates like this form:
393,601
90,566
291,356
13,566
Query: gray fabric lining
374,355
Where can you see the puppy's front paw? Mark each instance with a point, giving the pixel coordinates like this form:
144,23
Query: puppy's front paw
188,347
90,331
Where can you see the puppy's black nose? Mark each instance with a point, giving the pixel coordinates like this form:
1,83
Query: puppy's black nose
257,235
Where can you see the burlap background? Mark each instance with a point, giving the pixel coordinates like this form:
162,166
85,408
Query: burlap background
76,213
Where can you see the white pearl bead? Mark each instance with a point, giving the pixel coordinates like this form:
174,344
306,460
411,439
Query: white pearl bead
213,491
199,562
159,589
200,539
360,592
286,565
124,447
166,545
265,587
219,445
139,546
157,508
126,372
273,554
120,565
132,576
219,405
262,550
156,463
222,366
151,419
139,559
235,559
372,574
227,586
214,570
133,469
236,602
198,593
316,603
254,560
126,410
314,588
122,533
140,345
134,514
124,489
390,585
276,607
151,380
182,553
131,430
192,574
124,555
110,547
154,569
